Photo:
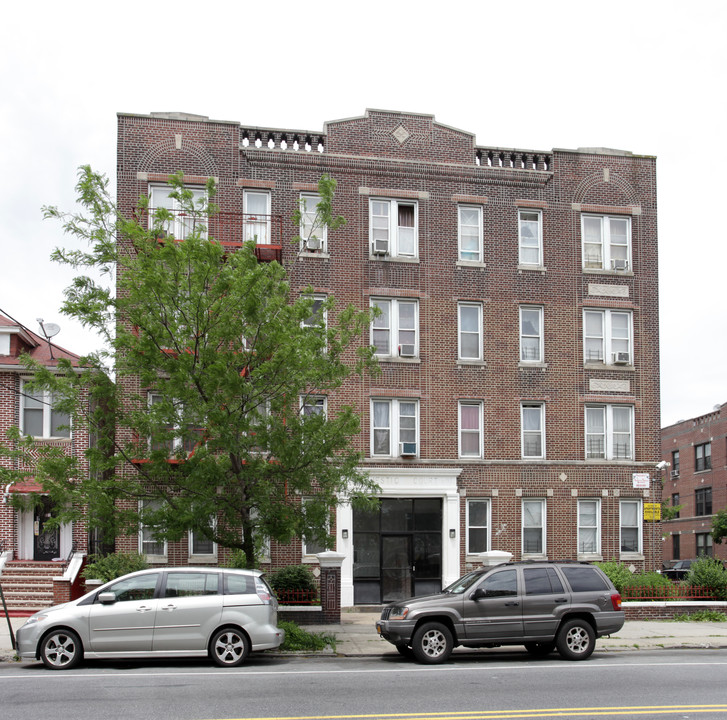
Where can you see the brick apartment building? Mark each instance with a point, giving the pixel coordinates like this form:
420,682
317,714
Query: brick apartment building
518,404
22,534
697,481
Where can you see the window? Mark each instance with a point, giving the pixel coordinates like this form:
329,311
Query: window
531,334
394,427
149,544
704,545
589,527
470,233
502,583
199,544
313,405
530,234
318,314
607,337
478,526
675,463
542,581
256,220
470,429
395,332
533,527
313,234
393,228
191,584
38,416
606,242
469,346
313,545
675,503
703,501
630,526
676,546
140,587
182,223
532,417
609,432
703,457
187,436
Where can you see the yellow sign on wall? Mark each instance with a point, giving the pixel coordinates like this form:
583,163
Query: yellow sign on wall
652,512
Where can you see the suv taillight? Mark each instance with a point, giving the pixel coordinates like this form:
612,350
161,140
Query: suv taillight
616,601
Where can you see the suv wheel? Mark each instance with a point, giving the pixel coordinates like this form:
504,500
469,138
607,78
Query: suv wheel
229,647
432,643
576,640
540,649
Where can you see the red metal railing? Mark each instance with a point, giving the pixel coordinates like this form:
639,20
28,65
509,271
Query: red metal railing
673,592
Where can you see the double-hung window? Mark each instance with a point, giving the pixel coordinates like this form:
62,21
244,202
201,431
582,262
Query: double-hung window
469,345
256,216
470,233
313,405
200,545
533,527
606,242
149,543
675,463
478,526
470,429
318,314
182,222
312,545
394,427
607,337
609,432
703,501
39,417
177,433
630,526
313,234
532,430
704,545
531,334
703,457
675,503
530,237
589,527
393,227
395,331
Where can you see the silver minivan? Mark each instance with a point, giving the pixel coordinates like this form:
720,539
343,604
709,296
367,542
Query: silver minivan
169,612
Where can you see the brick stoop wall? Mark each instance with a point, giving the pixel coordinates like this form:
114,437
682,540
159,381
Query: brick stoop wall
668,610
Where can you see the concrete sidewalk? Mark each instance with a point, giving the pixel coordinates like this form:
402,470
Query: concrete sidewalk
356,636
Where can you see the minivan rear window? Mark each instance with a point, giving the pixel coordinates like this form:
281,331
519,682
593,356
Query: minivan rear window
582,578
239,584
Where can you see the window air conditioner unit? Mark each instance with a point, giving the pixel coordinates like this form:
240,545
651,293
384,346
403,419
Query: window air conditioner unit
381,247
406,350
675,473
313,243
621,358
620,265
408,449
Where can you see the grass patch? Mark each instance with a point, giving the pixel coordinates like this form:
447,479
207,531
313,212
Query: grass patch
296,638
701,616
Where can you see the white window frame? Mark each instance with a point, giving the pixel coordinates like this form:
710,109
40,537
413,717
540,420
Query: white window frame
394,329
310,555
462,227
318,300
319,238
143,529
596,528
524,248
610,346
605,247
202,557
314,405
256,224
488,527
477,404
179,227
388,229
608,436
44,398
178,439
639,527
397,434
540,431
525,347
461,332
542,527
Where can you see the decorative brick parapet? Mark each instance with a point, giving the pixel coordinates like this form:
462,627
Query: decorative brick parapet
61,590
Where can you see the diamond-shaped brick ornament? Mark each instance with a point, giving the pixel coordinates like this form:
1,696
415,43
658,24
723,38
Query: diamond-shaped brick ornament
401,134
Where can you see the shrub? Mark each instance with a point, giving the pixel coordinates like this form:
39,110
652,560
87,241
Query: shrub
709,573
617,573
237,560
109,567
294,577
702,616
296,638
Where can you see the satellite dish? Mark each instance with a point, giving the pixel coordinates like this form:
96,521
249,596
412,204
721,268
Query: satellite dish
50,329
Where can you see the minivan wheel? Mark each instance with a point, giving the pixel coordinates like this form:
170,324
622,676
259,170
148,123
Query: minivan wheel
576,640
540,649
229,647
432,643
61,650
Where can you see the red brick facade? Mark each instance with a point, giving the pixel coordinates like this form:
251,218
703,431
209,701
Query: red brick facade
697,452
437,169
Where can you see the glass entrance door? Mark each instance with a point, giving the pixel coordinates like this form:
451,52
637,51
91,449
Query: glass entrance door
46,540
396,568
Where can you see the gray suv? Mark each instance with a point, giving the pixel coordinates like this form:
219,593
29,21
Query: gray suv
542,605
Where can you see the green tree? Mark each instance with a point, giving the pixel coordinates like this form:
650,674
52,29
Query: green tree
222,432
719,526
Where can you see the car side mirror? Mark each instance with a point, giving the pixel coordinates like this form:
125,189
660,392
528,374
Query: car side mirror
479,593
106,598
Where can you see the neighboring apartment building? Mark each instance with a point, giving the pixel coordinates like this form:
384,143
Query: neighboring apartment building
697,481
22,534
518,404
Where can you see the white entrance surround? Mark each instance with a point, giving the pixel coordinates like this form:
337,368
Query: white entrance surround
407,483
26,529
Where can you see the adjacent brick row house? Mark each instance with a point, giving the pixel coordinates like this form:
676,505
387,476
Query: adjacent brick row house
518,404
696,480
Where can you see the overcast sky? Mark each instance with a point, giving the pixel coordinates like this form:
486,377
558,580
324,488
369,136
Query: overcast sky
641,76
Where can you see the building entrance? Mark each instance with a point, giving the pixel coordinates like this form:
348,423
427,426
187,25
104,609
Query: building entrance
397,550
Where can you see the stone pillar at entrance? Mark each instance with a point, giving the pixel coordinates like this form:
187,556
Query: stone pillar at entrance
331,585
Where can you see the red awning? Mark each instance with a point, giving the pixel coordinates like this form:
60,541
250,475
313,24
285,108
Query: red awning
27,486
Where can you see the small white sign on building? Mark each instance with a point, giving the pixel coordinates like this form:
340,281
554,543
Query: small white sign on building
641,480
